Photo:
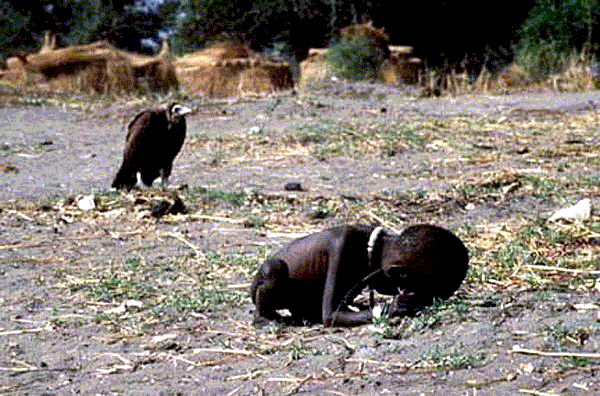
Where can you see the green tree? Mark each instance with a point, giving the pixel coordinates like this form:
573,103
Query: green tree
22,24
263,23
14,32
552,32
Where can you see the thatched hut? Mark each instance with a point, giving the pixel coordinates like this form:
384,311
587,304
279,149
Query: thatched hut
95,68
230,70
315,70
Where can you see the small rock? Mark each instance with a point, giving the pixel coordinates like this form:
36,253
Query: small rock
7,168
293,186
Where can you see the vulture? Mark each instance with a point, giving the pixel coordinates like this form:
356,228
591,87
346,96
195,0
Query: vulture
153,140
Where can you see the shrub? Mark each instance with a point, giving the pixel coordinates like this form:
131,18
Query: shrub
552,32
359,58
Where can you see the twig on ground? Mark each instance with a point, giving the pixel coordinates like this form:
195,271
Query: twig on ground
215,218
23,331
518,349
229,351
19,214
302,382
21,245
559,269
335,392
248,376
196,250
538,393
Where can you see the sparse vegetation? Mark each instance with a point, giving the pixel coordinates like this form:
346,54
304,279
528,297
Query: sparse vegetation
333,139
113,294
454,358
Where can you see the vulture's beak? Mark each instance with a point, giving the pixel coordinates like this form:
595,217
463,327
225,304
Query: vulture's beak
184,110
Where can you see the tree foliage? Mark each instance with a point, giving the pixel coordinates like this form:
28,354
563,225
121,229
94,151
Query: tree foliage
553,31
121,22
262,23
14,32
356,59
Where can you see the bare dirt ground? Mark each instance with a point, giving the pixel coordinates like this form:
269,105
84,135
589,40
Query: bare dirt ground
113,300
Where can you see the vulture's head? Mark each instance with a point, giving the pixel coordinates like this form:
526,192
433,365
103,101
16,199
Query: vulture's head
176,111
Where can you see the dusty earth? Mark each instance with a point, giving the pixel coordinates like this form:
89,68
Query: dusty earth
102,293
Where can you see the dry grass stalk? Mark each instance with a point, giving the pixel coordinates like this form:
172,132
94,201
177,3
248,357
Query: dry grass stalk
296,388
537,393
524,351
197,252
229,351
560,269
579,75
23,331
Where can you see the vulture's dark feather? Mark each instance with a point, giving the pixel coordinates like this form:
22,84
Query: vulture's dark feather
153,140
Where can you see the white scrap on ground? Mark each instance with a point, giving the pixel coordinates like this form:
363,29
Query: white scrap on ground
86,202
580,211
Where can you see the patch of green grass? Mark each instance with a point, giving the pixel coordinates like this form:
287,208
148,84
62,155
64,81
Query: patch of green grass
547,189
470,191
320,210
238,264
255,222
299,349
386,327
397,139
454,359
533,279
553,236
477,273
112,287
198,195
246,261
102,317
510,256
201,301
439,312
572,362
333,139
275,329
593,181
132,263
561,336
